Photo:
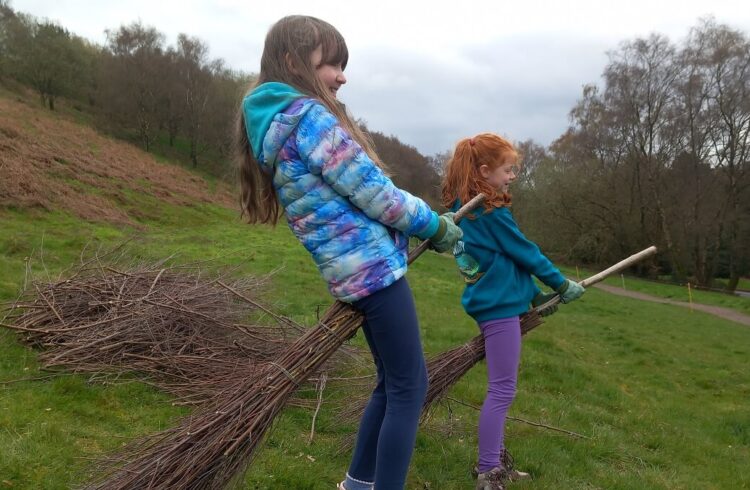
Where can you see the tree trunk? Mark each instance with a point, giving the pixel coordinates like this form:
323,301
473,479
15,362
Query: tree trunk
734,280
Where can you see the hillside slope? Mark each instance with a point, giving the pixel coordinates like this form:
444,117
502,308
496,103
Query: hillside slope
49,161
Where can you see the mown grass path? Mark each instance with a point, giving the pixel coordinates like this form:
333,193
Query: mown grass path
726,313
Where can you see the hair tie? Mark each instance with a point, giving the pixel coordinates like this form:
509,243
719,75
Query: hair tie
471,141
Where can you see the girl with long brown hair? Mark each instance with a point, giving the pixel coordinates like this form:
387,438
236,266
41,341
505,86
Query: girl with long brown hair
301,153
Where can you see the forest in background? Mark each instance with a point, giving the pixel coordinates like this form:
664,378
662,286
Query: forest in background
656,153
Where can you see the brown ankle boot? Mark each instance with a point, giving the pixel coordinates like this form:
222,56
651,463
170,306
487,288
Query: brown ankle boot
494,479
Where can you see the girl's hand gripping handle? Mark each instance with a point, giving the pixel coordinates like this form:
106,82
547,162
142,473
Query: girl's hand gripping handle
469,206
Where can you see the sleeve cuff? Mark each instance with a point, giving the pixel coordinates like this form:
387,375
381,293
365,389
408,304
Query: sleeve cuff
431,228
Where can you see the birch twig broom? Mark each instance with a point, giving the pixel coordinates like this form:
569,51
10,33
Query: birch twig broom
445,369
207,450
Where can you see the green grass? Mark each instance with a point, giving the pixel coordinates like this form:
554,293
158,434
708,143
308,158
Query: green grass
743,284
659,392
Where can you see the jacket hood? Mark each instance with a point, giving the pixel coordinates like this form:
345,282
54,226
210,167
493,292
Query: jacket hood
260,106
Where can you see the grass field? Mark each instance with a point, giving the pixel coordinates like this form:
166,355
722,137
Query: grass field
660,393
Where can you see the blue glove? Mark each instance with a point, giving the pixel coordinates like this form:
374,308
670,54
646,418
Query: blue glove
447,234
570,291
542,298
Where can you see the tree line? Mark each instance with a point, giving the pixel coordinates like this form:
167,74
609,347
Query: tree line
657,153
135,83
140,88
660,154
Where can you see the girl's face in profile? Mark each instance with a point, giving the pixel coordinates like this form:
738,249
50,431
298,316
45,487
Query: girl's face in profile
501,176
331,76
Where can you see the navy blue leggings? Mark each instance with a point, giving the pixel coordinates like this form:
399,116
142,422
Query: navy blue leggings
388,429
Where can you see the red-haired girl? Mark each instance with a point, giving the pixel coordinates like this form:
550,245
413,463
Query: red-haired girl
502,288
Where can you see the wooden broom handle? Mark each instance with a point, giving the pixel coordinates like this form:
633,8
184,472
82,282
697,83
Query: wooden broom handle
469,206
590,281
621,265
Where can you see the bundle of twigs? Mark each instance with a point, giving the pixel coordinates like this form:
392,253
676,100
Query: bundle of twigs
208,449
178,329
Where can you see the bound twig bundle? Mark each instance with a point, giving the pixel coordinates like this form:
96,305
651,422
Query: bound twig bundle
184,332
210,448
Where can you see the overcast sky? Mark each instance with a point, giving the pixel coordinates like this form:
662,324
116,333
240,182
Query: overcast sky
429,72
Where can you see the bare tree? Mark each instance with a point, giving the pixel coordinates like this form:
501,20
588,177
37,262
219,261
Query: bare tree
727,54
195,76
662,152
439,160
696,183
40,54
640,92
171,107
8,20
228,88
410,169
131,80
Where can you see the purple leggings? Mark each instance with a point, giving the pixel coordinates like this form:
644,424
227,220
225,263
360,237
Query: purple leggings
502,346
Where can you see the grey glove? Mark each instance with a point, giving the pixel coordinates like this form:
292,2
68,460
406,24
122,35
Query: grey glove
542,298
447,234
570,291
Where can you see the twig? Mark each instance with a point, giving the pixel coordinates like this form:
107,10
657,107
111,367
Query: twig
154,283
54,310
278,318
321,387
517,419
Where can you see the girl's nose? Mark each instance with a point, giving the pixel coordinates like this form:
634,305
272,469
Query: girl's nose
341,78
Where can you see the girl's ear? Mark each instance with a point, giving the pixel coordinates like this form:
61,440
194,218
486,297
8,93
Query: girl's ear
290,64
484,171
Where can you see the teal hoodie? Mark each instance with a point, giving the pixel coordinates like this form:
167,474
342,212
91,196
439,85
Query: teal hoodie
507,260
260,107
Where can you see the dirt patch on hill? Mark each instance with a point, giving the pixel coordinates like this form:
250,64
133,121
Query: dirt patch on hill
50,162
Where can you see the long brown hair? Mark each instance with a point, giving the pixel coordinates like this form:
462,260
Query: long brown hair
463,179
286,58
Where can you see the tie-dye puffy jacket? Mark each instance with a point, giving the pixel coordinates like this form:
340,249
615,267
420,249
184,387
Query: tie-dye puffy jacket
345,211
